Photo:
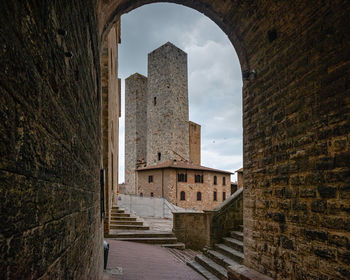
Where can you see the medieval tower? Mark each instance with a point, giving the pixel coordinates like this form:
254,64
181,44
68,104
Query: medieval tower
157,127
135,127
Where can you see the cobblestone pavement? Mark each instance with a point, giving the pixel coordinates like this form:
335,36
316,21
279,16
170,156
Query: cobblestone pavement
137,261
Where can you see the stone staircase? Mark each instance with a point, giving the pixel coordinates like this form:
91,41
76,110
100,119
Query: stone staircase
125,227
213,263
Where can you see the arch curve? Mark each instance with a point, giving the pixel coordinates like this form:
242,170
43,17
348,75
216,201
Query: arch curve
110,11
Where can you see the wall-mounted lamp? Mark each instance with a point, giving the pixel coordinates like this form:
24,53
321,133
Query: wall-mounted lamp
246,74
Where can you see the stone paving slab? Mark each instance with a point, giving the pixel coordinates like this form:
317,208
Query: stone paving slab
136,261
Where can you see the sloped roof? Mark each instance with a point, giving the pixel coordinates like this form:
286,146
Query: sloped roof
181,165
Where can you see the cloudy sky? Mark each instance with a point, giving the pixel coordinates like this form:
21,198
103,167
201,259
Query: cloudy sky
215,84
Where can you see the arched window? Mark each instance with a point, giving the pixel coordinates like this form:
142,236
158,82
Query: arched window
198,178
141,194
215,180
182,177
215,195
182,196
199,196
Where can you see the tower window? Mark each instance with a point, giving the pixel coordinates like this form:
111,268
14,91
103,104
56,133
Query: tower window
150,179
215,196
141,194
152,194
215,180
182,196
199,196
223,196
159,156
155,101
223,181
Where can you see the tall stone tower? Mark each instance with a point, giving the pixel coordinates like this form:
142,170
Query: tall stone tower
167,105
135,127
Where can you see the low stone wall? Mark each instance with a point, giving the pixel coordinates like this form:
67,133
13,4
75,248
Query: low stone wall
200,229
192,229
227,217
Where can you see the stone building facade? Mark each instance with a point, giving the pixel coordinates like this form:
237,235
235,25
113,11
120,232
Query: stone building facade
184,184
195,143
111,111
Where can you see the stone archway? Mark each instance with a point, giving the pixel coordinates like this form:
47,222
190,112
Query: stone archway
290,155
296,134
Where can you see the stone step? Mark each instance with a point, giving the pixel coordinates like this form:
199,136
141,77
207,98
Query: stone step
219,258
140,234
120,215
237,235
151,240
123,218
114,211
233,243
126,222
178,245
212,266
201,270
230,252
115,207
129,227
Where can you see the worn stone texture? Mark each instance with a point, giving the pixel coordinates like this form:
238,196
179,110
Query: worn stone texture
167,105
195,142
50,142
135,127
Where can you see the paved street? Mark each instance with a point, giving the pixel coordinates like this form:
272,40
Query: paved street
137,261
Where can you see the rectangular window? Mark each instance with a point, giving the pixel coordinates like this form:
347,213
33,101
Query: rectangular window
215,180
215,196
155,101
150,179
198,178
159,156
181,177
223,181
223,196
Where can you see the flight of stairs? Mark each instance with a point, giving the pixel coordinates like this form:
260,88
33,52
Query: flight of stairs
124,227
213,263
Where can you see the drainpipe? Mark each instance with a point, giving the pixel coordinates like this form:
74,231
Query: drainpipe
176,187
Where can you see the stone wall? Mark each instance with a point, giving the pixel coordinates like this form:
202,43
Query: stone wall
195,143
167,112
192,229
110,116
135,127
50,141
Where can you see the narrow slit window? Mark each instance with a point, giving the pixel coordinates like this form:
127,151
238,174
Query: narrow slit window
223,196
159,156
215,180
223,181
152,194
215,196
155,101
199,196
